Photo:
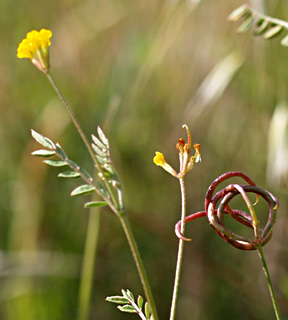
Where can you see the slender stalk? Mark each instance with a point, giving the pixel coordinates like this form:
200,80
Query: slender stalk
124,222
139,263
180,251
72,116
88,263
271,290
114,204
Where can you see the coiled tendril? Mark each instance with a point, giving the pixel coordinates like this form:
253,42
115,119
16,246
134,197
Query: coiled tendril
217,205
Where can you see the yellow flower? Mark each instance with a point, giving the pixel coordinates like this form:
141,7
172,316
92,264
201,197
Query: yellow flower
159,159
35,47
186,160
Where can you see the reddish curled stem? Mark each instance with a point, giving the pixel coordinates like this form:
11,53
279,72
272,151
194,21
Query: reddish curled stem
217,205
192,216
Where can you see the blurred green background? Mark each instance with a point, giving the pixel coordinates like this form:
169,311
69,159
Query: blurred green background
140,69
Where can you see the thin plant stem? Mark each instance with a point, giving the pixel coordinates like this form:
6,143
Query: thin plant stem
72,116
114,203
121,214
267,275
180,252
88,263
139,263
89,257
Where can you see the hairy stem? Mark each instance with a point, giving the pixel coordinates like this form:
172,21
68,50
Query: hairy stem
139,263
267,275
180,252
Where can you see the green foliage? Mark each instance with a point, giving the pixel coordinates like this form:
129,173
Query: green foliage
154,56
261,24
95,204
84,189
105,179
130,305
56,149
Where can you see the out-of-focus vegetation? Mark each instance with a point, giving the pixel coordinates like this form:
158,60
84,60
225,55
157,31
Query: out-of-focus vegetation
141,69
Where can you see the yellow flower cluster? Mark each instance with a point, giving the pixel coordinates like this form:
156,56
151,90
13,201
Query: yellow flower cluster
35,47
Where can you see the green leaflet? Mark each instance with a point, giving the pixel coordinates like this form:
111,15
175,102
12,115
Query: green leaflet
284,41
147,310
102,137
246,24
55,163
97,204
69,174
239,13
43,153
140,302
45,142
127,308
261,26
272,32
84,189
98,143
98,151
117,299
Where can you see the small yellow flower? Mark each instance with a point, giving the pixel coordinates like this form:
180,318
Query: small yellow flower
159,159
186,160
35,47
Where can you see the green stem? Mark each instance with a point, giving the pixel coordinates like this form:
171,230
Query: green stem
88,263
114,204
271,290
180,252
139,263
72,116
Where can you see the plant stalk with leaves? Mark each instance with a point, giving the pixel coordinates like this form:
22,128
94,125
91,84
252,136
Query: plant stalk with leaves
107,184
261,24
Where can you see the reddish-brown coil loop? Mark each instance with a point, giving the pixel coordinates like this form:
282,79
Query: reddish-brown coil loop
218,205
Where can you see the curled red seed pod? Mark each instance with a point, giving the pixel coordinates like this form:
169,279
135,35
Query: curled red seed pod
216,206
